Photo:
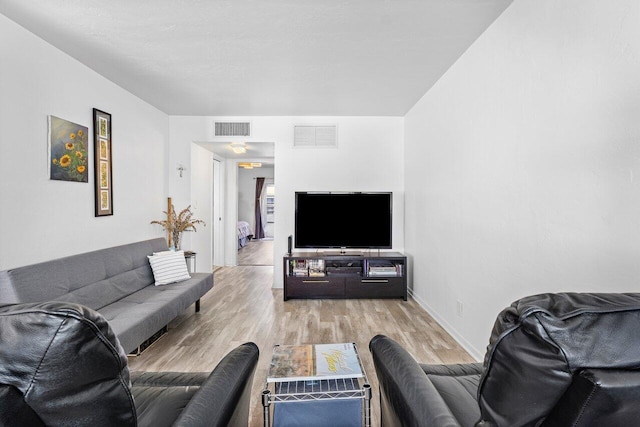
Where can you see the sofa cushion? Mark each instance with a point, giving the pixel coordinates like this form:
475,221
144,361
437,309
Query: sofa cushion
162,396
457,385
136,317
540,342
65,359
93,279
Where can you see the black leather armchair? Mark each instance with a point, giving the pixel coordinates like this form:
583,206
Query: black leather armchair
553,360
62,365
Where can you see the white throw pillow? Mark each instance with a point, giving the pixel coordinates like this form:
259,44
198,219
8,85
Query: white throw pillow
164,253
169,268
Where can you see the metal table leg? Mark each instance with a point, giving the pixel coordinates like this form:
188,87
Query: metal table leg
266,397
367,405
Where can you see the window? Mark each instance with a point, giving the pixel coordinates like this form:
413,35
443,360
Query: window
270,202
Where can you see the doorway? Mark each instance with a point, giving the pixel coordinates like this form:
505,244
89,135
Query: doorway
224,238
258,248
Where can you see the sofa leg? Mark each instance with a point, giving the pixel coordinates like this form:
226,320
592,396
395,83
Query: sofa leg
198,306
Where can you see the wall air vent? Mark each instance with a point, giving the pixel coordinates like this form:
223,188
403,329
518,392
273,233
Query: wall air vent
232,129
315,136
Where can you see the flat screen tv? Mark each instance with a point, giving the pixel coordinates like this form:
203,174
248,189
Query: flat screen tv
343,220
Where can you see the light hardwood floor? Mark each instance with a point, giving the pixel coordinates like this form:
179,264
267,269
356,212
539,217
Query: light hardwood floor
257,252
243,306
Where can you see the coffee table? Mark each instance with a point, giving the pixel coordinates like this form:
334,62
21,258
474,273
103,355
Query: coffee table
316,385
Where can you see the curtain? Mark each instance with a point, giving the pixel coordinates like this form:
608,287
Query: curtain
259,233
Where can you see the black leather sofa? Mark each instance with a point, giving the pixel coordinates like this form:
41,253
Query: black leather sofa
553,360
62,365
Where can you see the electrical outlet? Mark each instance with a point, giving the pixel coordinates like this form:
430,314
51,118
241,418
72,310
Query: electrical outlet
459,308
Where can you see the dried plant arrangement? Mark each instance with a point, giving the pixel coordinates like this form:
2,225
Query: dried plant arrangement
175,224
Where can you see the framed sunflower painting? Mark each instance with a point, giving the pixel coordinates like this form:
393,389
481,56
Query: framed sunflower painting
68,151
103,167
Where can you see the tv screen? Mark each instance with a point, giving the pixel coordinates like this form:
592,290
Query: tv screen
343,220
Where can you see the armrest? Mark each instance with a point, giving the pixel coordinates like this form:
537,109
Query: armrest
606,397
223,399
407,396
456,370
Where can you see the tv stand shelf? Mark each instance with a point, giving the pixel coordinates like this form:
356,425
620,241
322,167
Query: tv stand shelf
333,275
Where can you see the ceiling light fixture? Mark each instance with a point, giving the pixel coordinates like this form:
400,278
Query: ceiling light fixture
239,147
250,165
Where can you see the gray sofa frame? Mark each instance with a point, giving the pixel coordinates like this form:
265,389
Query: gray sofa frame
117,282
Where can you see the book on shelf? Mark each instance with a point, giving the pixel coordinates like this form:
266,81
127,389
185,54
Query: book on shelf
315,264
307,267
299,268
314,362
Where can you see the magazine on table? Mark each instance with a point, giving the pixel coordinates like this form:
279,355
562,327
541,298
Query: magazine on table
314,362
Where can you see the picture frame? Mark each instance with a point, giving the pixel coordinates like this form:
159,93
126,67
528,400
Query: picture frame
103,162
68,147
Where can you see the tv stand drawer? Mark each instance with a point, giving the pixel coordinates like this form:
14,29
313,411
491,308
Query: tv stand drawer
314,287
375,287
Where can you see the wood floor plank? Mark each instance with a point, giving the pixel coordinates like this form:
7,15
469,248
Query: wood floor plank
256,252
243,307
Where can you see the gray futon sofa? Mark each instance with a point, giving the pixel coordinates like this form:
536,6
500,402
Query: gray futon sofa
117,282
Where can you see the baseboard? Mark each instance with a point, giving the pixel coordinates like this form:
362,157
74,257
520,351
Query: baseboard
477,355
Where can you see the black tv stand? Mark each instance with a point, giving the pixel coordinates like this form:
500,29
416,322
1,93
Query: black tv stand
345,275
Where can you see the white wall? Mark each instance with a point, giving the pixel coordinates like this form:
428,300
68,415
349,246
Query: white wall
42,219
195,187
369,157
522,164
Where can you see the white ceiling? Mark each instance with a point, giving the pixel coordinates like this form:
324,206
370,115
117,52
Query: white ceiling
276,57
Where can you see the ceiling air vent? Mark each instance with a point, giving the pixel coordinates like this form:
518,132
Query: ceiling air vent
232,129
315,135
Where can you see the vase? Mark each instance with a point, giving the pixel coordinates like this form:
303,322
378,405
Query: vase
176,240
